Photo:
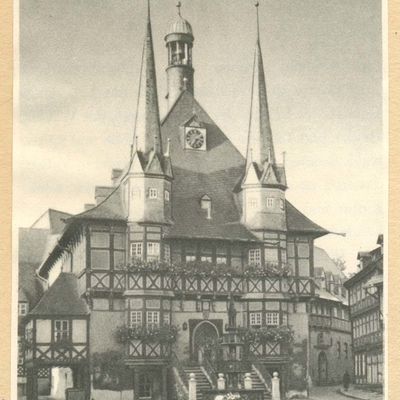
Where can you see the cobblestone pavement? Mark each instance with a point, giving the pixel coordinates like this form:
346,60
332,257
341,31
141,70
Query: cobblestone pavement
334,393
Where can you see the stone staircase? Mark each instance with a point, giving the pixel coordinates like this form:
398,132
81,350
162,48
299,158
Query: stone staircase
258,384
202,381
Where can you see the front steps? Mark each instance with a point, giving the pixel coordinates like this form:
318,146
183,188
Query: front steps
202,383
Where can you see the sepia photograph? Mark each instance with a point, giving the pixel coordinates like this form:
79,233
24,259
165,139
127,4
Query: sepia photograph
199,200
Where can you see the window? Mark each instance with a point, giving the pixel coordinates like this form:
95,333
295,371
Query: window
135,193
153,249
135,319
272,318
252,202
255,319
153,193
61,330
167,253
339,349
346,351
205,203
270,202
22,308
145,386
100,239
206,258
282,204
255,256
271,255
136,250
221,260
20,352
153,319
166,318
166,195
190,258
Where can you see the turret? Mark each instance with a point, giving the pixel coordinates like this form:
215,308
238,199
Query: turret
179,42
264,182
148,182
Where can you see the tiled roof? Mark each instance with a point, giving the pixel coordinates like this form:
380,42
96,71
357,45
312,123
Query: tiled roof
62,298
110,208
322,261
298,222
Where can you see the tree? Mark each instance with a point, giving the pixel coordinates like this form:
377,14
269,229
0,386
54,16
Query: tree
340,263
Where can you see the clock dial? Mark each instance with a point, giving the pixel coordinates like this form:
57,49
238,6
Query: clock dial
195,138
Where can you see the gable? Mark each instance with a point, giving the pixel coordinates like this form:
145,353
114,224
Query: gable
220,153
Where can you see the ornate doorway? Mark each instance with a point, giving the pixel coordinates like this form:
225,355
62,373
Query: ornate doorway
322,368
203,335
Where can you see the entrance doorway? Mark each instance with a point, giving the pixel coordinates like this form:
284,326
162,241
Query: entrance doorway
204,334
322,368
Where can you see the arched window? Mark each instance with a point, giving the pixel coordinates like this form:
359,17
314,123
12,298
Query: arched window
205,204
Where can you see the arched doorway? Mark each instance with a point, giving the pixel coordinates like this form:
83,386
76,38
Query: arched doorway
203,335
322,368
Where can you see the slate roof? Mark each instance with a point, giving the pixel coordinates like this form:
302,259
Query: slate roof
62,298
298,222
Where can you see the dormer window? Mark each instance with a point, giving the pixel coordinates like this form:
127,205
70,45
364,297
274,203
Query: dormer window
205,204
270,202
153,193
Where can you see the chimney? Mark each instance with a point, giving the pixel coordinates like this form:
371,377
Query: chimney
89,206
101,192
115,175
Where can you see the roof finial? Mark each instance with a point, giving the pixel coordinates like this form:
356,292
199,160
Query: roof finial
148,9
258,23
178,6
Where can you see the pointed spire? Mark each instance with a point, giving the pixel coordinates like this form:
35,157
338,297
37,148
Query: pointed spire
147,134
260,134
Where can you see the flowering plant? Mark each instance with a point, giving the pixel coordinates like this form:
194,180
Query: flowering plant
163,334
279,334
206,268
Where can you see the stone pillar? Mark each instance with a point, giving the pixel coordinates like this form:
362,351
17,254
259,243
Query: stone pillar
164,386
248,382
275,389
221,382
192,386
135,383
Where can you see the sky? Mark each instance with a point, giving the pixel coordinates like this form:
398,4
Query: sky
79,67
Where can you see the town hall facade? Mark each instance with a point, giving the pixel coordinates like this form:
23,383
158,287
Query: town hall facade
190,261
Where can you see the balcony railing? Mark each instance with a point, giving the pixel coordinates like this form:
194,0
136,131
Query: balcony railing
364,305
324,321
145,349
102,280
62,353
375,338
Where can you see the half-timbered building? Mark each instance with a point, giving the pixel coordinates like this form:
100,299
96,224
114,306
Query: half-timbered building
191,261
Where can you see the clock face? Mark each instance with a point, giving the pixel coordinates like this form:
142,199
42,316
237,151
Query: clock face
195,138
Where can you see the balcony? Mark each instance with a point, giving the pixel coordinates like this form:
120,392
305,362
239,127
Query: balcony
227,284
327,322
364,305
372,339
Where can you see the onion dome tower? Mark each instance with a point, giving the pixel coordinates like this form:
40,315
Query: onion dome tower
179,42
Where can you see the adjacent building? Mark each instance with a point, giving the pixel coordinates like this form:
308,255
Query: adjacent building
365,291
191,260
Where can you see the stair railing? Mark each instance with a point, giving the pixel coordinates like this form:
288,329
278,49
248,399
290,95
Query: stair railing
261,370
211,372
180,378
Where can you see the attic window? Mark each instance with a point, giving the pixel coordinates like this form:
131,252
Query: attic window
206,205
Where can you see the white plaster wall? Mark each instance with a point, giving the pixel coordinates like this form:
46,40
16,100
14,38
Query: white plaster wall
43,330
